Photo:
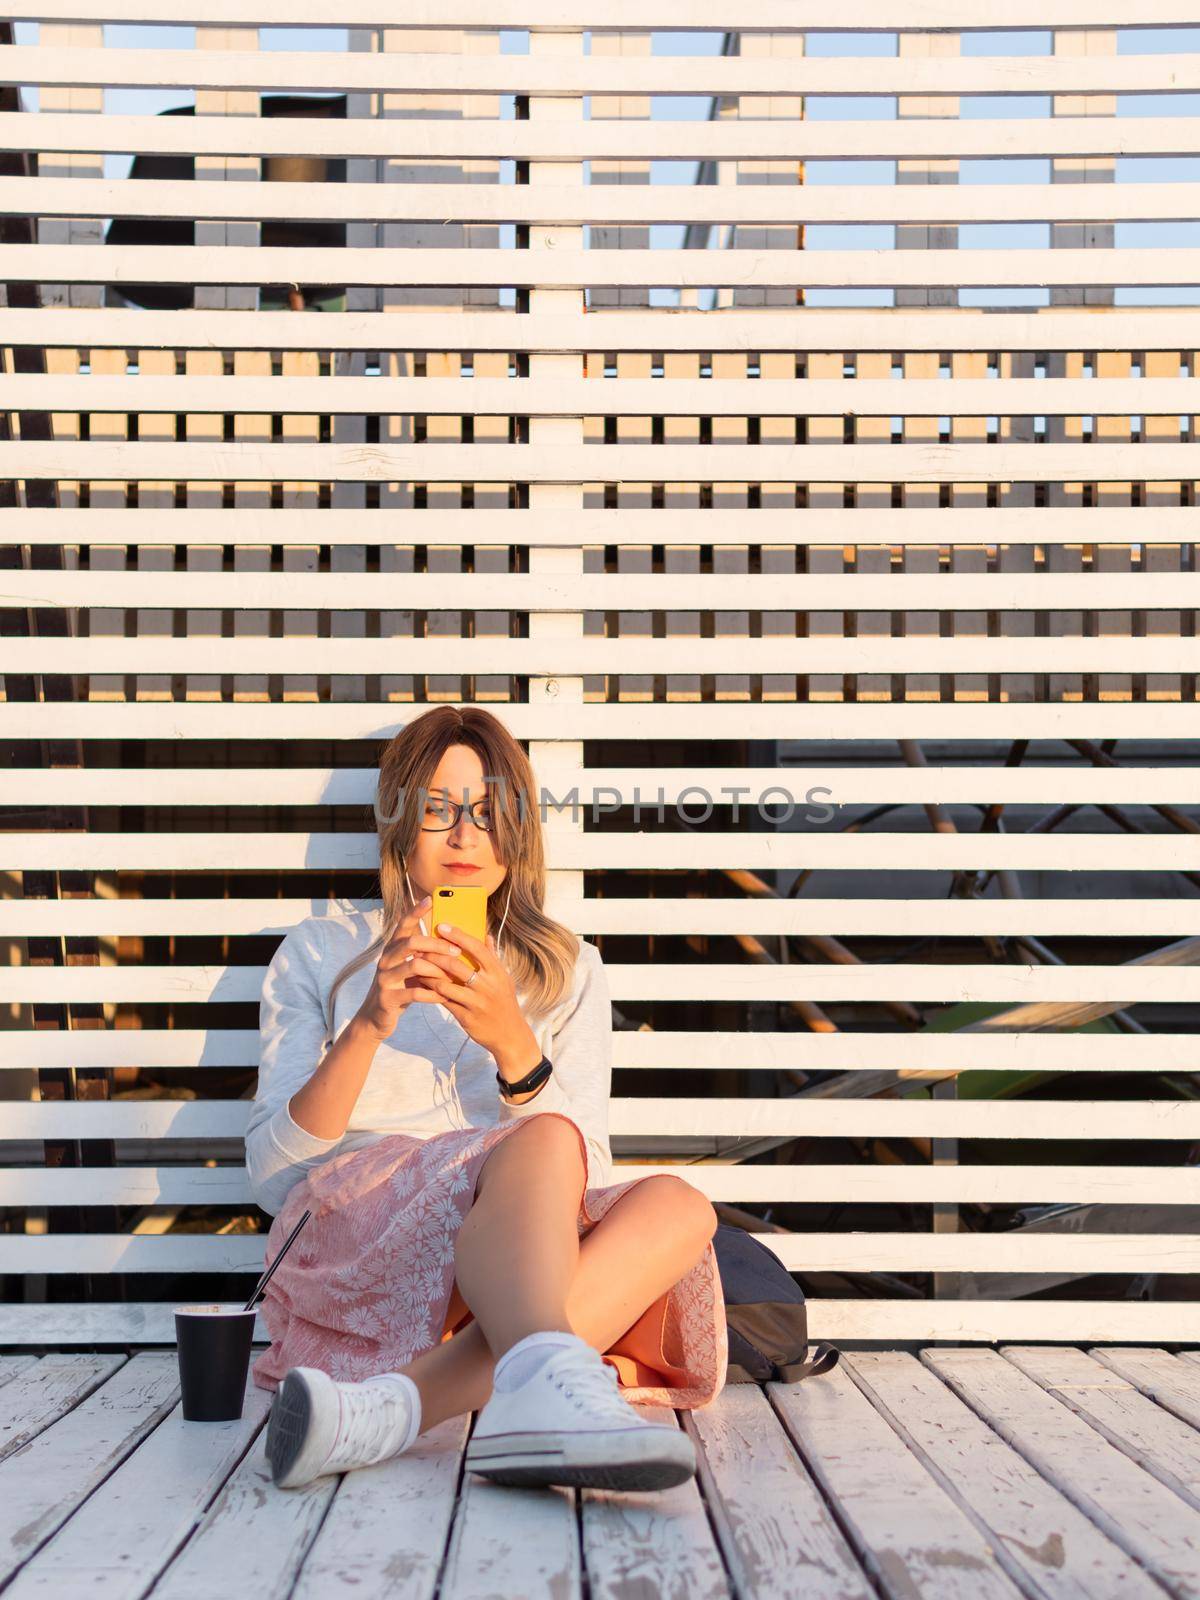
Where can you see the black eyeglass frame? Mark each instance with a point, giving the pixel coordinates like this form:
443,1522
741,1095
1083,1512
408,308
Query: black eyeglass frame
455,808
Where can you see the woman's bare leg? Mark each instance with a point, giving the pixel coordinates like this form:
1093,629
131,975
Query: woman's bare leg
518,1247
638,1250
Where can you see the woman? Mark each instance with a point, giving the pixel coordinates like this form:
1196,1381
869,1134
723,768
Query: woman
447,1128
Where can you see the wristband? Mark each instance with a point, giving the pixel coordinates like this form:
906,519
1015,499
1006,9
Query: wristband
532,1080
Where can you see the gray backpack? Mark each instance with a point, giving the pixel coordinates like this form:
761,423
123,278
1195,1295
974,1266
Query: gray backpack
765,1314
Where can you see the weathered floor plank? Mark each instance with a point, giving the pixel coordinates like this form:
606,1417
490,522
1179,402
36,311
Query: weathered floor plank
1140,1429
43,1482
906,1530
253,1538
47,1390
512,1541
124,1534
1145,1518
1040,1538
385,1533
776,1532
651,1546
10,1366
1165,1378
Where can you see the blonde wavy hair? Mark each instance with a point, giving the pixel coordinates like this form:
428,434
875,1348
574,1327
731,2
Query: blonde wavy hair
539,953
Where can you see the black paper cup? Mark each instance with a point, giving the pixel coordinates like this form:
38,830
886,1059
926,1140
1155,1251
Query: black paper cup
214,1359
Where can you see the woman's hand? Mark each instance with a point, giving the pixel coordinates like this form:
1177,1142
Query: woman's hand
406,959
487,1007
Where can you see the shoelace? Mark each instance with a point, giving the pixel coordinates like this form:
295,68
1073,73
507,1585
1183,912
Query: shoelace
591,1381
374,1417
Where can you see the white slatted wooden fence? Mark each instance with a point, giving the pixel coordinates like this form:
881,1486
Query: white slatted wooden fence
590,439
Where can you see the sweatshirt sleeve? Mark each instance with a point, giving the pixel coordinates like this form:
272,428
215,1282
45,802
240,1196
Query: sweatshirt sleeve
292,1041
580,1051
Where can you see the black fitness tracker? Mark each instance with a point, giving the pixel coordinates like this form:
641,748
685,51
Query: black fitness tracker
533,1079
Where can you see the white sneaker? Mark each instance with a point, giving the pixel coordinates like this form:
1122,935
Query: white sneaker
319,1425
568,1424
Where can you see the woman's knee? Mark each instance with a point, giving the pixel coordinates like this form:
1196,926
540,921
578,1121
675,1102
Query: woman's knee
545,1137
682,1203
551,1132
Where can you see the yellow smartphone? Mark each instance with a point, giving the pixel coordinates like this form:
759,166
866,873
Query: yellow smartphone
465,906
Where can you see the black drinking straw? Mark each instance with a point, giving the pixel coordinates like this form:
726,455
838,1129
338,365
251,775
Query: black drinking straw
266,1277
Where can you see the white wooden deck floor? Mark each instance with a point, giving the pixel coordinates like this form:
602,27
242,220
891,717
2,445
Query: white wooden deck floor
1035,1470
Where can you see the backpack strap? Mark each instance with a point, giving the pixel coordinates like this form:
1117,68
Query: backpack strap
823,1358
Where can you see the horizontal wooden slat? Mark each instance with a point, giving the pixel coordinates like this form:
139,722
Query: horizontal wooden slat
96,1252
599,790
626,268
598,203
554,15
562,76
951,983
847,1322
627,654
612,138
722,1118
601,591
589,463
1115,918
591,397
534,526
636,851
679,719
1147,328
807,1118
809,1252
682,1051
800,1184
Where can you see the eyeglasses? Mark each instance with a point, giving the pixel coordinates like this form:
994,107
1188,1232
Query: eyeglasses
437,807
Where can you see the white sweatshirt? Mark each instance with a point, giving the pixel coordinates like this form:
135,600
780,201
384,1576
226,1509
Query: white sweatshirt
409,1088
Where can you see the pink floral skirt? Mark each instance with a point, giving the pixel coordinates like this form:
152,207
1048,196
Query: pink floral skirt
369,1284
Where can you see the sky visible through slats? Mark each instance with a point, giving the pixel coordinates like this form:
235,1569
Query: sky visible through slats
973,236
